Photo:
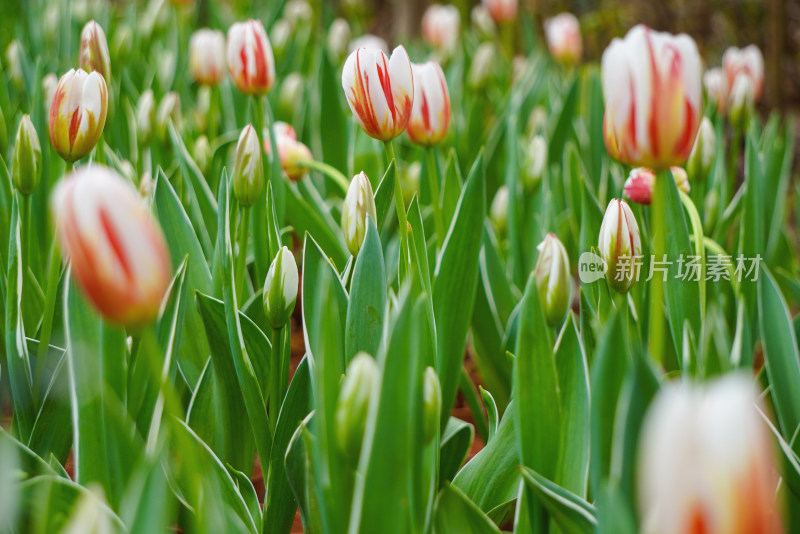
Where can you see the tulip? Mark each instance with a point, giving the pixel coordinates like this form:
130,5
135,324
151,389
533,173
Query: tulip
169,111
639,185
280,35
747,61
202,153
498,211
94,50
620,245
250,58
440,27
360,385
483,64
563,33
706,462
291,152
482,21
430,113
716,85
27,158
370,41
14,62
553,279
338,38
248,173
280,289
431,404
502,10
536,160
49,84
145,117
78,113
297,12
358,203
741,100
122,43
699,164
207,56
291,93
652,90
118,252
380,91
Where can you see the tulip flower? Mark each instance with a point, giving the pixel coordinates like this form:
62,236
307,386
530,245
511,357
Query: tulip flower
498,211
430,113
380,91
118,252
639,185
338,38
620,245
94,50
202,153
248,173
716,84
440,26
78,113
291,93
536,160
482,21
563,33
482,68
502,10
369,41
360,384
358,203
145,117
14,63
741,100
250,59
207,56
27,158
291,152
297,12
280,289
705,461
553,279
279,36
652,90
699,164
169,111
49,84
747,61
431,404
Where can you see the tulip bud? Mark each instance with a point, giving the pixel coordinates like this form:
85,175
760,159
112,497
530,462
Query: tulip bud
563,33
292,154
207,56
502,10
716,85
482,22
358,203
78,113
706,462
369,41
360,384
202,153
291,93
27,158
519,68
536,160
553,279
498,212
248,172
747,61
431,404
122,43
94,50
430,113
145,117
338,39
14,62
280,289
440,27
169,111
118,252
702,156
482,68
620,245
741,101
639,185
280,36
379,90
297,13
250,58
49,84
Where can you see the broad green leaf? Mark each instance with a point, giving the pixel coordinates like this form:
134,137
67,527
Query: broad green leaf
456,442
367,300
333,122
456,513
564,125
571,513
451,188
384,196
307,218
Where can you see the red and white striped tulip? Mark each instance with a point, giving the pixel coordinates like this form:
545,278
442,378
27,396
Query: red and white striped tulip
563,33
250,59
207,56
430,113
380,91
94,50
716,84
653,95
619,245
706,463
748,61
78,113
502,10
440,26
639,185
118,252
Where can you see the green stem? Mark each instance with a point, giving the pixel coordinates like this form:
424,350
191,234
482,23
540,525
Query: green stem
433,180
241,257
25,232
399,203
659,248
274,378
329,171
733,163
53,276
699,247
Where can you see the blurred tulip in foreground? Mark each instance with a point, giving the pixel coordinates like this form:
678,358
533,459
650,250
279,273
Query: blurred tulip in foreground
620,245
639,185
563,33
440,26
502,10
94,50
699,164
716,84
27,167
747,61
248,172
652,89
78,113
360,384
250,59
280,289
207,56
358,203
118,252
553,279
380,91
430,113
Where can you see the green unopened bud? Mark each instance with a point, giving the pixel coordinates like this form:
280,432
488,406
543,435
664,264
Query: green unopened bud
699,164
620,245
498,212
553,279
358,203
280,289
27,157
169,111
202,153
145,117
360,384
431,403
248,173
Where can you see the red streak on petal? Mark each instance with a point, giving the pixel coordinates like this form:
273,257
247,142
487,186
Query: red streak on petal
74,126
386,86
697,522
115,242
261,62
655,97
361,103
426,114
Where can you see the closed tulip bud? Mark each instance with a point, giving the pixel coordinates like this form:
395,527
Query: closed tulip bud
250,58
430,113
481,71
78,113
431,404
118,252
502,10
202,153
291,93
482,22
563,33
292,154
14,62
27,158
716,85
207,56
169,111
747,61
280,36
358,203
620,245
741,101
280,289
440,27
498,212
145,117
360,384
248,172
653,94
297,13
706,462
49,84
553,279
536,160
94,50
339,36
369,41
702,156
380,91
